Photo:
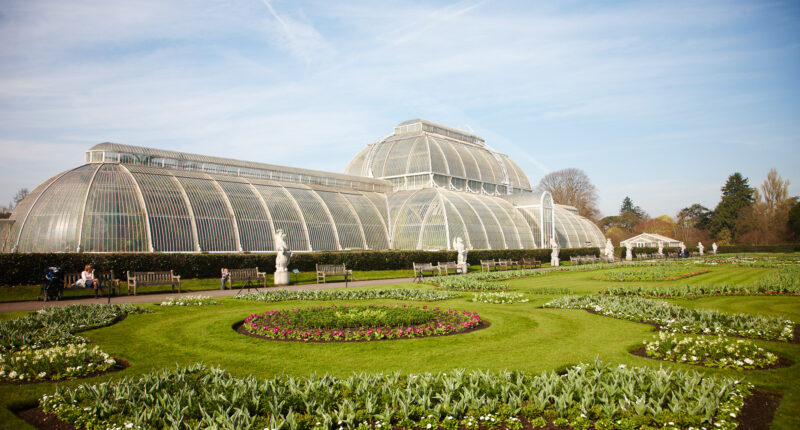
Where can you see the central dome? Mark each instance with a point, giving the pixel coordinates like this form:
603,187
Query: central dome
422,154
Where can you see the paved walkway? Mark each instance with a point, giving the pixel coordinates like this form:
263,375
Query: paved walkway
149,298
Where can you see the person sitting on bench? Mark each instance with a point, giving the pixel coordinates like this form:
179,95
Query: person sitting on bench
226,275
87,280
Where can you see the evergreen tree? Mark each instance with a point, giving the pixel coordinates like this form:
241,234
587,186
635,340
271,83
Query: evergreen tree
794,219
736,195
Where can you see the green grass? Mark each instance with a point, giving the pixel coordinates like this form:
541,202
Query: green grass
522,336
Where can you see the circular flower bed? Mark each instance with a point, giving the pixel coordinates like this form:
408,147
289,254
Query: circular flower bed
359,323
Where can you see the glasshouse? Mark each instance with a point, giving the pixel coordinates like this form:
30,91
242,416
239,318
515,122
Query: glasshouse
419,188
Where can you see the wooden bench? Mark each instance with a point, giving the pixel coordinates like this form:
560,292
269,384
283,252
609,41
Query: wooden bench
248,276
530,263
106,280
446,266
421,268
488,265
137,279
508,264
326,270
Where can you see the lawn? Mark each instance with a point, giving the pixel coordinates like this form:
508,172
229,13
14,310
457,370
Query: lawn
522,336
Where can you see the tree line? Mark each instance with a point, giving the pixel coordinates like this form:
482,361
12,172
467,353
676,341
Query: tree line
745,215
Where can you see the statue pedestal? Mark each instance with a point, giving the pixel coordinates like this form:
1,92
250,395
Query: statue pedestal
282,277
554,262
463,268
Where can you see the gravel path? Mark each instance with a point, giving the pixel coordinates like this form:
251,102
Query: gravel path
148,298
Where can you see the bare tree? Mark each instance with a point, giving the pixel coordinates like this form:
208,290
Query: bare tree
572,187
775,190
21,194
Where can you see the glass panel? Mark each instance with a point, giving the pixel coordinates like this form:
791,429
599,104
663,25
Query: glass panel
470,165
434,227
506,223
252,220
379,159
347,225
419,160
438,165
170,225
285,216
454,164
374,229
407,216
320,230
114,220
52,225
214,222
473,224
397,159
494,233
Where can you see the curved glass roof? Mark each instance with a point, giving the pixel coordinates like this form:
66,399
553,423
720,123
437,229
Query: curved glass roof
441,183
431,218
420,147
109,207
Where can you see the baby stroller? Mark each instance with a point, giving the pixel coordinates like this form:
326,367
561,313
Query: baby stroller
53,283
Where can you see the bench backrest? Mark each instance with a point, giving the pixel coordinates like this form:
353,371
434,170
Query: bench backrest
485,262
244,274
423,266
331,268
71,278
448,264
142,278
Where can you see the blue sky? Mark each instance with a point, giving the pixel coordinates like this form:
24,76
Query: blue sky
659,101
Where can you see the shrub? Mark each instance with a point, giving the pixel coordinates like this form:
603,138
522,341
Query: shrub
28,268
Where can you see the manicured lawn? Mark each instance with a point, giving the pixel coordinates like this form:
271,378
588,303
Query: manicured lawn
522,336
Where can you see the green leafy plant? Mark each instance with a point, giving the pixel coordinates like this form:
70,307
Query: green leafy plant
196,396
710,352
674,318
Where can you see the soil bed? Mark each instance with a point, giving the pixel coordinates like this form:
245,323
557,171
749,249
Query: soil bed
758,410
782,362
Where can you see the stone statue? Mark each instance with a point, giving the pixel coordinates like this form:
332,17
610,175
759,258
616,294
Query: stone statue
714,247
458,245
628,251
660,248
554,262
282,258
609,251
700,247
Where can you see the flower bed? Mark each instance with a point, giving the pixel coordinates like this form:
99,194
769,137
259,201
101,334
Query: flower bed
718,352
359,323
55,325
393,294
649,274
500,298
42,346
465,283
592,395
678,319
58,362
189,301
785,281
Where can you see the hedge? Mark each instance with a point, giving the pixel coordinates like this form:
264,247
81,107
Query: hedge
23,268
